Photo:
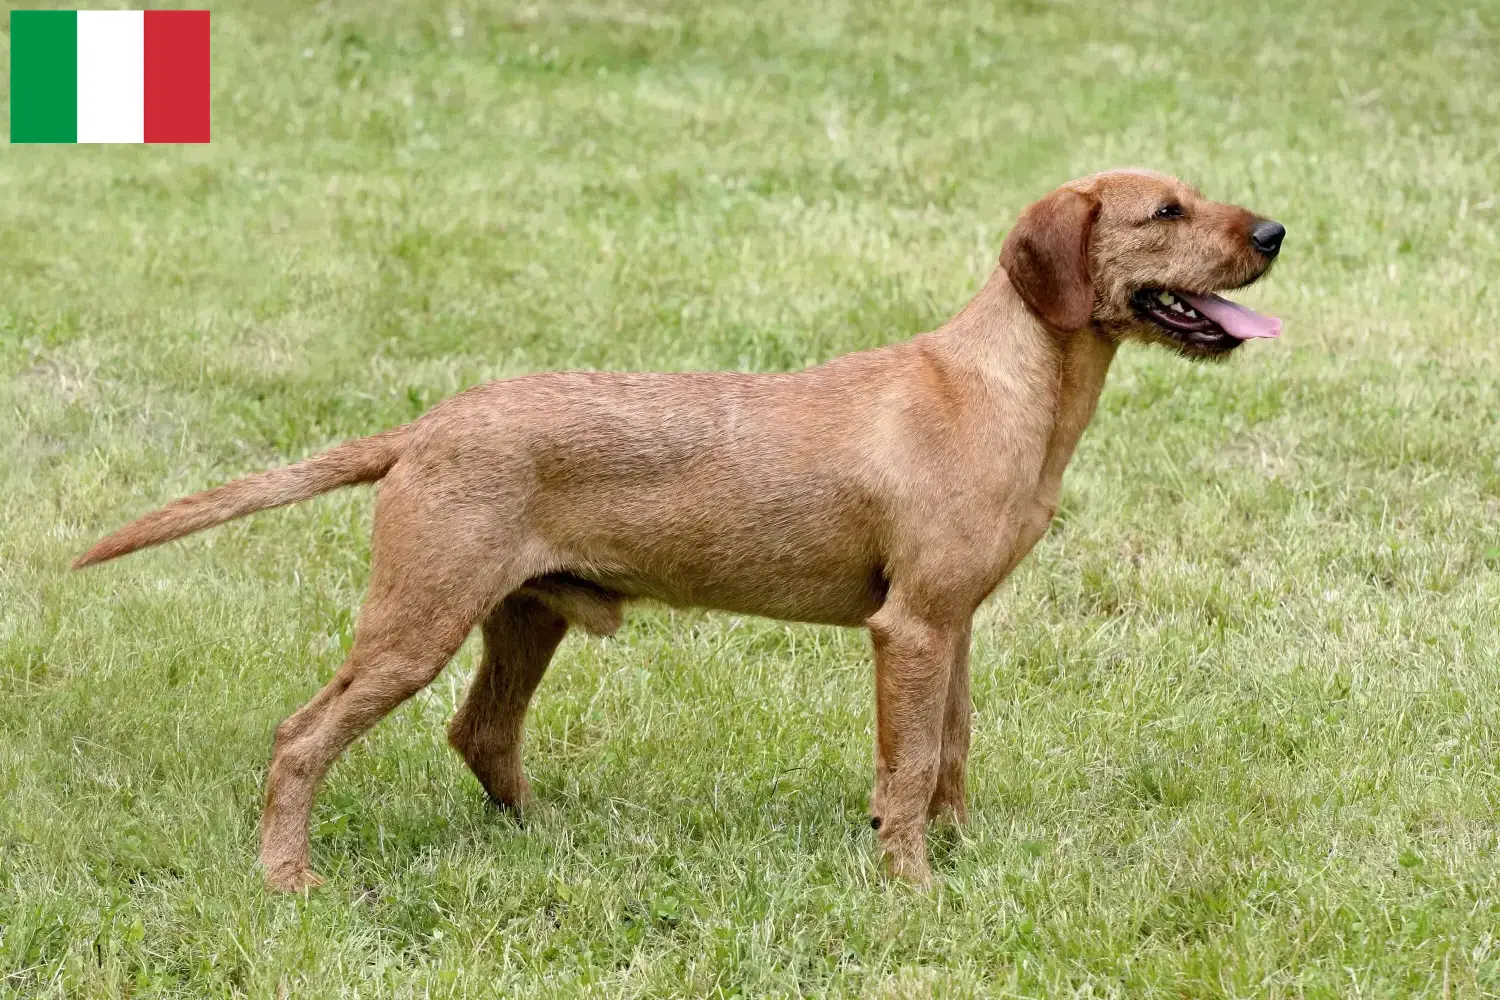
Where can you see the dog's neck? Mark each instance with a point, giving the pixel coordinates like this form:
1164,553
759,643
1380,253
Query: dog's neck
1031,369
999,338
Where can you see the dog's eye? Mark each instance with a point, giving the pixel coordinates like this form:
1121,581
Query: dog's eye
1168,212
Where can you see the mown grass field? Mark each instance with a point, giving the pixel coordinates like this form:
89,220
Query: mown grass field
1237,717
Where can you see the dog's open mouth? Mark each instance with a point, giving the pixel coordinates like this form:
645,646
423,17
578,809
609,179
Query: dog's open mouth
1207,321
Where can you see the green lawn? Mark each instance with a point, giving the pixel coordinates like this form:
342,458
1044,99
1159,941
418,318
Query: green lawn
1237,717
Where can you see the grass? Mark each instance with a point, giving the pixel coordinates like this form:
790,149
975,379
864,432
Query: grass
1236,717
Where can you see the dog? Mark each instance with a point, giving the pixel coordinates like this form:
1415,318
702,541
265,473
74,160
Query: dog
892,488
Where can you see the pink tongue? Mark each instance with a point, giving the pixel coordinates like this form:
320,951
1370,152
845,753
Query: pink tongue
1236,320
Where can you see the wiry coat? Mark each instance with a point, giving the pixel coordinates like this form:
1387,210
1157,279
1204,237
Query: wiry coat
893,488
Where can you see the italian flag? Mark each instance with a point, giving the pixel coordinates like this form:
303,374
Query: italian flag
109,76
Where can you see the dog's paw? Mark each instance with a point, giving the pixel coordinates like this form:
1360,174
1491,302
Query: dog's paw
915,872
511,794
292,878
512,810
906,859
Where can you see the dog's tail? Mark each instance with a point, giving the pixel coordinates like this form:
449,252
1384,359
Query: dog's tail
362,461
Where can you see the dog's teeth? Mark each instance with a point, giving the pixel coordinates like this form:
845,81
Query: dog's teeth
1191,314
1165,298
1177,307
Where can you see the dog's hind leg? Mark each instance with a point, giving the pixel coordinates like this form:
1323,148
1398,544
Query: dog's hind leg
426,593
520,636
386,665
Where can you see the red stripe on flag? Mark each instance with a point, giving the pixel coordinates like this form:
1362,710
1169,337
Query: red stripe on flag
176,76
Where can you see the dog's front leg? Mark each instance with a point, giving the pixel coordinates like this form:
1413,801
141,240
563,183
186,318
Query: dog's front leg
914,664
948,797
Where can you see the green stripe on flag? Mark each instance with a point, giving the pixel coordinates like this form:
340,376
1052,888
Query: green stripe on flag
43,76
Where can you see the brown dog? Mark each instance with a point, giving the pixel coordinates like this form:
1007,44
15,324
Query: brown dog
892,488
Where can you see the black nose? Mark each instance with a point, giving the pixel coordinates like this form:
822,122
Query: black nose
1267,237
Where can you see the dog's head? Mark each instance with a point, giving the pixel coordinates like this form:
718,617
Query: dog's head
1139,254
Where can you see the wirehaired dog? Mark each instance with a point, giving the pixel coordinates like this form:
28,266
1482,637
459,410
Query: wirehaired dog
892,489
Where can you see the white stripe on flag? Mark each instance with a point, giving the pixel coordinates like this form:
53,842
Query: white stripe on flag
111,76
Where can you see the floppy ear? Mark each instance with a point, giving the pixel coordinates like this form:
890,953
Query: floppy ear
1046,256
